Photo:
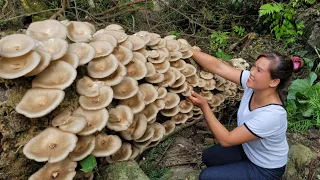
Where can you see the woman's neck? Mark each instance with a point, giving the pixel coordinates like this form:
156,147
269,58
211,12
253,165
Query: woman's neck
264,97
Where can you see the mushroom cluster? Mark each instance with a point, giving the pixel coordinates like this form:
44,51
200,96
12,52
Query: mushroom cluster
131,81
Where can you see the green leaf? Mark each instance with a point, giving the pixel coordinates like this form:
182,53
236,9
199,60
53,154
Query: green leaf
312,77
88,164
308,112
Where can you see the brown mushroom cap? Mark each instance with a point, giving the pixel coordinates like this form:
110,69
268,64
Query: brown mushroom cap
170,37
175,56
45,59
84,51
11,68
189,70
120,36
179,89
88,87
80,31
50,145
183,47
96,120
187,54
122,154
162,92
128,44
136,129
156,78
180,118
139,56
16,45
144,35
114,27
136,102
138,43
42,30
103,66
158,57
179,82
103,48
159,131
127,88
147,135
161,44
160,103
202,82
206,75
144,52
38,102
193,80
101,101
169,126
116,77
162,67
55,46
135,151
173,45
62,170
58,75
70,58
171,100
150,69
216,100
84,176
179,64
106,145
210,84
136,69
121,118
84,147
188,91
105,37
68,122
123,54
150,111
154,39
149,92
170,112
169,78
185,106
143,144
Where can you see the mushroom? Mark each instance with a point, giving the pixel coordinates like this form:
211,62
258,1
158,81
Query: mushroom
210,85
50,145
179,64
149,92
138,43
150,69
180,118
153,54
84,147
11,68
68,122
84,51
202,82
150,111
169,126
162,92
162,67
101,101
190,114
106,145
169,78
55,46
185,106
144,52
123,54
170,37
42,30
171,100
136,102
156,78
121,118
62,170
147,135
179,82
170,112
127,88
105,37
120,36
83,176
58,75
135,151
139,56
206,75
96,120
136,69
187,54
161,44
154,39
136,129
159,131
70,58
193,80
160,103
158,57
122,154
189,70
176,72
38,102
216,100
183,47
206,94
80,31
173,45
103,66
16,45
103,48
114,27
45,59
88,87
188,91
144,35
128,44
142,144
116,77
175,56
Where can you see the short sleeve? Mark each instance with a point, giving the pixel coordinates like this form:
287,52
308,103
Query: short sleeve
244,78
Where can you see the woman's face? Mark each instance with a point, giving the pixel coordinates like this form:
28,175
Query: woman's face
260,77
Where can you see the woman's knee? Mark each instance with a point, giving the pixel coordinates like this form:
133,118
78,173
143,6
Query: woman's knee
204,175
210,154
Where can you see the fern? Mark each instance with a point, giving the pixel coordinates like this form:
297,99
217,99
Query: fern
268,9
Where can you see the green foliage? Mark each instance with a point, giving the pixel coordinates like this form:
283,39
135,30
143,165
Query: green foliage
176,33
88,164
218,44
297,3
222,55
239,30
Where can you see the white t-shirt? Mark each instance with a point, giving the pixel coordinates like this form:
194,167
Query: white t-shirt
269,123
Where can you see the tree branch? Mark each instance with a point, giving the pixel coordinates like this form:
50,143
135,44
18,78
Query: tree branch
121,13
29,14
119,6
62,10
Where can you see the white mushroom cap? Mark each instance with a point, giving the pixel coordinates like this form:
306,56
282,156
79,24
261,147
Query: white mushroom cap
103,48
38,102
144,35
123,54
202,82
101,101
206,75
144,52
162,67
185,106
169,126
210,84
68,122
216,100
11,68
136,69
179,89
120,36
179,64
173,45
116,77
170,37
159,131
193,80
180,118
55,46
175,55
189,70
188,91
106,145
50,145
88,87
139,56
84,51
45,59
156,78
148,134
84,147
70,58
154,54
158,59
136,102
136,129
149,92
105,37
58,75
160,103
128,44
183,41
161,44
122,154
187,54
150,111
150,69
138,43
121,118
154,39
135,151
64,169
170,112
171,100
103,66
114,27
127,88
179,82
96,120
42,30
183,47
80,31
176,72
142,144
169,78
16,45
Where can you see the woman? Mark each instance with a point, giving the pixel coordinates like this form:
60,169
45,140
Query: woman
257,148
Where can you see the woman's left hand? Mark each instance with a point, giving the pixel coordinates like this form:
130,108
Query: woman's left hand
197,100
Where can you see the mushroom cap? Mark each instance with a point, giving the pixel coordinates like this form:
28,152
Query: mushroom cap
84,147
150,69
102,48
150,111
128,44
206,75
159,131
149,92
143,144
147,135
106,145
170,112
45,59
156,78
173,45
193,80
162,92
180,118
68,122
189,70
11,68
116,77
139,56
16,45
144,52
169,126
136,102
162,67
202,82
114,27
179,89
38,102
210,84
88,87
59,75
122,154
216,100
135,151
144,35
84,51
183,41
70,58
105,37
101,101
84,176
96,120
161,44
160,103
50,145
157,58
176,72
169,78
153,54
171,100
183,47
190,114
188,91
136,129
55,46
185,106
175,56
103,66
179,64
138,43
179,82
80,31
127,88
62,170
42,30
123,54
154,39
170,37
121,118
206,94
187,54
120,36
136,69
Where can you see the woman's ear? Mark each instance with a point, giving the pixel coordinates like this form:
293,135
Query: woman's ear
274,82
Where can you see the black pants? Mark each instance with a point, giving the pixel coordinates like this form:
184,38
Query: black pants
231,163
